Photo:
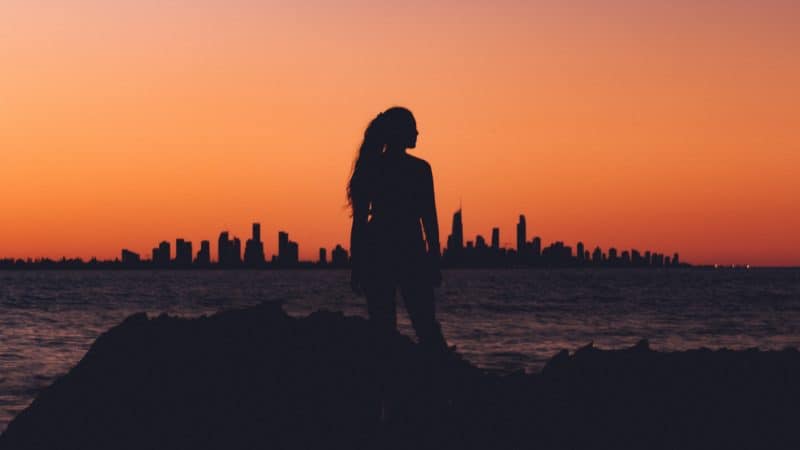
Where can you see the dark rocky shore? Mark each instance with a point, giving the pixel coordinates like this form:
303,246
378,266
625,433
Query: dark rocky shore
256,378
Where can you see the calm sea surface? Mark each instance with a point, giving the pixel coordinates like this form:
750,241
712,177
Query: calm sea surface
507,319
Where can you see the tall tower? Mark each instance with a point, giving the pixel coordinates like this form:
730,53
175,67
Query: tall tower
236,251
254,248
323,256
536,247
223,246
166,253
204,255
496,238
458,230
522,235
183,252
283,246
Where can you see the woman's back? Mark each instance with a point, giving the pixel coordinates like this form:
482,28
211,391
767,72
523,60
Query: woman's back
399,195
395,230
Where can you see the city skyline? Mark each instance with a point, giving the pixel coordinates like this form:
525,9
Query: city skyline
457,252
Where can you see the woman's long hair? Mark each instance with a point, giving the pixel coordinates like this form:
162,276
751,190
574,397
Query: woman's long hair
380,131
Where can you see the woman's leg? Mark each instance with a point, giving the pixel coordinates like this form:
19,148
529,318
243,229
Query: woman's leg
419,301
381,306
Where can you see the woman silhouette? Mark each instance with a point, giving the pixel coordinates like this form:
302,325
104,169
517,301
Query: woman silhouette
390,193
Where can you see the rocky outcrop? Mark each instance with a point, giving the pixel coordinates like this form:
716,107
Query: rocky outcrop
257,378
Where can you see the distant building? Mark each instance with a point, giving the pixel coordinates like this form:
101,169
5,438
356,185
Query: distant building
495,238
129,257
339,257
288,251
223,248
293,256
657,259
597,256
579,251
237,251
522,236
254,248
229,251
536,247
162,255
183,253
323,256
636,258
557,254
454,253
204,255
283,245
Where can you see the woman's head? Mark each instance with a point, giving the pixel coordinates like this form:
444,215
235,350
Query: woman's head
399,127
394,129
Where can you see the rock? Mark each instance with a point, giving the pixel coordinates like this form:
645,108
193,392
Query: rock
257,378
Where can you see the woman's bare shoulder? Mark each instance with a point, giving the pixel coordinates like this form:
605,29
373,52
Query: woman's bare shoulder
419,163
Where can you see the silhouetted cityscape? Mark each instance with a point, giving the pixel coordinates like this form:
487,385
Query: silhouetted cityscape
457,254
531,253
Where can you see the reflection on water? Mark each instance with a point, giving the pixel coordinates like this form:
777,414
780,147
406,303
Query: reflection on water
506,320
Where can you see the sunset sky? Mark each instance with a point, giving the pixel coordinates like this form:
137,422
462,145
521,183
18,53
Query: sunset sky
662,125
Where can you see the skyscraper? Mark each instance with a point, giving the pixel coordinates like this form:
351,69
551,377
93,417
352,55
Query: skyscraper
288,251
597,256
536,247
294,253
323,256
254,248
222,248
454,253
636,258
458,229
283,246
522,236
183,253
236,252
496,238
579,253
223,244
339,256
162,255
229,250
129,257
204,255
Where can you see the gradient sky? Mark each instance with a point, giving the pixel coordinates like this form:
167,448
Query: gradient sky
670,126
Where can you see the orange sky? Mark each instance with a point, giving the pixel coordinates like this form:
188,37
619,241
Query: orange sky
670,126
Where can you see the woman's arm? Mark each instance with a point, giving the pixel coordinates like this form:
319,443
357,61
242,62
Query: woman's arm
360,215
430,224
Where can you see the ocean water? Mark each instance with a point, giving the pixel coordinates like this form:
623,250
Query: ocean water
499,319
